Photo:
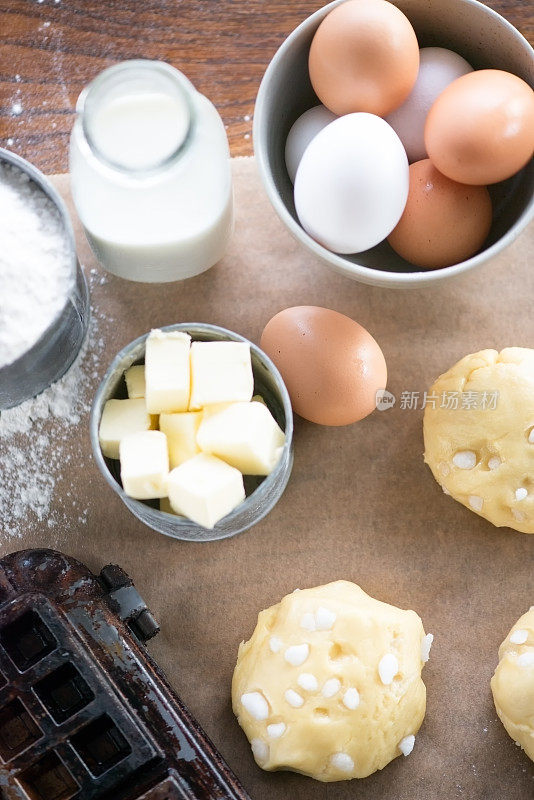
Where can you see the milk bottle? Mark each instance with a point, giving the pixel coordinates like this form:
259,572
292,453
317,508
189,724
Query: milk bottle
150,173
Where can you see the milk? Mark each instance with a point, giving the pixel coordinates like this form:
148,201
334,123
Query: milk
140,130
150,173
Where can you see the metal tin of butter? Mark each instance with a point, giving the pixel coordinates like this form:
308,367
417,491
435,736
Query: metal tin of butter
262,492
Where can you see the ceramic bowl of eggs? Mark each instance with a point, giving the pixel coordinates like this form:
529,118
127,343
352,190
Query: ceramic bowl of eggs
395,139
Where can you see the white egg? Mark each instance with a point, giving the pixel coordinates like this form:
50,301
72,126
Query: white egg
438,68
352,183
302,132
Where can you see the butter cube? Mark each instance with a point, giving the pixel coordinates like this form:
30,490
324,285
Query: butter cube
135,381
205,489
167,371
221,372
144,465
245,435
181,432
120,418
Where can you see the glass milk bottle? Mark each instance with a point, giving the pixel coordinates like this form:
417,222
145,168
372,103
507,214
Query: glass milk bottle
150,173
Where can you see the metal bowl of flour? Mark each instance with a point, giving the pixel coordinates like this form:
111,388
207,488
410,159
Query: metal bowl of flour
57,347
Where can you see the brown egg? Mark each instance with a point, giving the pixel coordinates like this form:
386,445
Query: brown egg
332,367
444,222
480,130
364,57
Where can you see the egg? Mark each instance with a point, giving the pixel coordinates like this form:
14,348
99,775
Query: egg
332,367
352,183
480,130
364,57
438,68
306,128
444,222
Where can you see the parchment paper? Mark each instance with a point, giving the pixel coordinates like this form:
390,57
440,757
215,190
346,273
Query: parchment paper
360,505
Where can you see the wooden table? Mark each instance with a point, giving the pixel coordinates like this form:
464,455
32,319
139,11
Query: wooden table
52,48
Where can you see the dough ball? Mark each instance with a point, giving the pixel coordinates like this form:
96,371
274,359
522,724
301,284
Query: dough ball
513,683
330,683
479,435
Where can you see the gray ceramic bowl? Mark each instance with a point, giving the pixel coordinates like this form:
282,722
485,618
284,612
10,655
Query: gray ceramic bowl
470,28
262,493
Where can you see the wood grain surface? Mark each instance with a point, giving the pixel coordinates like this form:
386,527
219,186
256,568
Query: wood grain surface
50,49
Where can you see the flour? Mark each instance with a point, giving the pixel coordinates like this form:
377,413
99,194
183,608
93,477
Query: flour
36,271
39,447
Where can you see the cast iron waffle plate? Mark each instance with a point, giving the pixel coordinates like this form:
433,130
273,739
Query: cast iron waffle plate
84,711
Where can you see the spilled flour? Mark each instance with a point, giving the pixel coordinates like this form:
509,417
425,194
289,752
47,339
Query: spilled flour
38,446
